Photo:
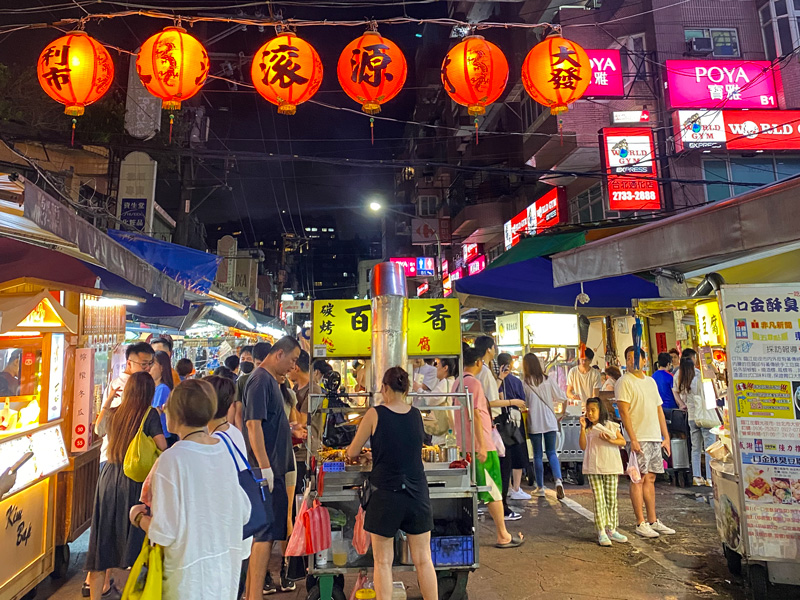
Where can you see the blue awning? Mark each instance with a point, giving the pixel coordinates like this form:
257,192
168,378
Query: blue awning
194,269
531,282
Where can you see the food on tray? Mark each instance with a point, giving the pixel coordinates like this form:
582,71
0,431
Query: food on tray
757,487
796,490
781,490
332,455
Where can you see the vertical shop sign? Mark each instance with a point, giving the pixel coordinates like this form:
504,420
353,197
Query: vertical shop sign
56,378
137,191
342,328
82,402
434,327
764,403
629,160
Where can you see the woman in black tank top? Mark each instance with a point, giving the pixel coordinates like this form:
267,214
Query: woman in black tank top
400,499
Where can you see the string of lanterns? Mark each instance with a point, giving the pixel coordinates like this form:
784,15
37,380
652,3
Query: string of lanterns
76,71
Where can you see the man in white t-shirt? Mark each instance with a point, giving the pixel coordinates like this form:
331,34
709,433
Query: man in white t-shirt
584,382
639,406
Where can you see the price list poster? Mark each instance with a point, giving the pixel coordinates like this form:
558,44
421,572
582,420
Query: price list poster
763,324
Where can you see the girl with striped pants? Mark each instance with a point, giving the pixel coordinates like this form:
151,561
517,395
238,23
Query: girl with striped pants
600,441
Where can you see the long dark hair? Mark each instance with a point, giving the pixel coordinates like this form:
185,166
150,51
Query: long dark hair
532,370
127,418
287,395
163,360
686,376
604,415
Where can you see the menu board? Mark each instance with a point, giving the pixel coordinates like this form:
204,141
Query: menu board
763,327
49,455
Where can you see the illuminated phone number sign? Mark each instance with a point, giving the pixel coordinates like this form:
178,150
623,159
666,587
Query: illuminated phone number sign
629,160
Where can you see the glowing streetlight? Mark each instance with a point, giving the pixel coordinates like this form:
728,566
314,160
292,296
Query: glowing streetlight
375,206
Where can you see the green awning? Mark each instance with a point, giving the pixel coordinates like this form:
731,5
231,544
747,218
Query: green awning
540,245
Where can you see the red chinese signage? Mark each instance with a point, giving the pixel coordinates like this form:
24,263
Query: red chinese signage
409,265
477,265
548,211
737,130
606,74
470,251
513,229
723,83
629,159
423,289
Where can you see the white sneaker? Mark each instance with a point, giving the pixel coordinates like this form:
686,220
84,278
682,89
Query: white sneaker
519,494
602,539
616,536
709,483
559,489
699,481
659,527
645,530
539,492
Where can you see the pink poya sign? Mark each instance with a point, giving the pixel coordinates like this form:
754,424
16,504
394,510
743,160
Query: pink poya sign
723,84
606,74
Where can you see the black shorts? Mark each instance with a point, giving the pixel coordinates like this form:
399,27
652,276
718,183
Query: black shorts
390,512
276,505
518,455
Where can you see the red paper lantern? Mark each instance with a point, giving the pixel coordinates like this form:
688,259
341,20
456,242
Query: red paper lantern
475,73
372,71
556,73
75,70
287,71
173,66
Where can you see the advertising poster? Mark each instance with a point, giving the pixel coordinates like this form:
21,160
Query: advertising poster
629,159
764,331
736,130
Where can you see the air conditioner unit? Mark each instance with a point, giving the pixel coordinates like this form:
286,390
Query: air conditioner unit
700,46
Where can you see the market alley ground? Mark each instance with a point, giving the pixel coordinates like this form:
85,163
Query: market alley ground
561,559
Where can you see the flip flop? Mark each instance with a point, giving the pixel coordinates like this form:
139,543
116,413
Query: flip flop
515,542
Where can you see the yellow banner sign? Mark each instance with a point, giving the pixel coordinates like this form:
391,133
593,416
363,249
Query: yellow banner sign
761,399
710,331
342,328
434,327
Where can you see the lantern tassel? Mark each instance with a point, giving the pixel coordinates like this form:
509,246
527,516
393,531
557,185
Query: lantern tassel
171,121
561,132
72,140
476,131
372,129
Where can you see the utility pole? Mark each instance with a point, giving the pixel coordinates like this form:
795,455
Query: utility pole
186,169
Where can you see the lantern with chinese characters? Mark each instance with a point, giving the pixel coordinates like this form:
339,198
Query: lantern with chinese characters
287,71
75,70
474,74
372,71
173,66
556,73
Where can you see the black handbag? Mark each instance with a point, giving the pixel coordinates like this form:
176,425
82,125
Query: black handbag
365,493
255,493
509,432
338,433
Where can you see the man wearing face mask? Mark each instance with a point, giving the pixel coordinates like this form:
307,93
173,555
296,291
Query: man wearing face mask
247,363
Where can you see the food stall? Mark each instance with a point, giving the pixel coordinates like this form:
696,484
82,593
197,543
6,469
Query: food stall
37,341
388,331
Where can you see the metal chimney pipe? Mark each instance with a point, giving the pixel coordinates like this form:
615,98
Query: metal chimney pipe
389,320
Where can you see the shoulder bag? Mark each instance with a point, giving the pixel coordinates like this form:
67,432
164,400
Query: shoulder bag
507,429
251,487
705,418
550,408
146,577
141,454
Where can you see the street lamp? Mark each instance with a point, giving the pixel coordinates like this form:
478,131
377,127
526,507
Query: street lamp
375,206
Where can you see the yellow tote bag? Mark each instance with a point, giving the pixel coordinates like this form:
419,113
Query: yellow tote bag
146,578
141,454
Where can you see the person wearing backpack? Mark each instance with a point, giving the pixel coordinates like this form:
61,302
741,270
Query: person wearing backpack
113,542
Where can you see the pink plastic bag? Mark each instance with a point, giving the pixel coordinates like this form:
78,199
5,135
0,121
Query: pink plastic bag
498,442
312,530
633,468
361,539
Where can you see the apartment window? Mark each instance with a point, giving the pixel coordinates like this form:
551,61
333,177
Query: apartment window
780,27
634,57
531,111
761,170
587,206
427,206
725,42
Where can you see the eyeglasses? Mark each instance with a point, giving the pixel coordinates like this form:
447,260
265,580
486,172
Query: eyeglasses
144,365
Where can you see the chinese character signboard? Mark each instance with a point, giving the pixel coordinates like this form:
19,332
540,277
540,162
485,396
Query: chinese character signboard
423,289
710,331
736,130
409,265
470,251
509,330
630,116
629,159
434,327
342,328
477,265
714,83
513,229
55,380
606,74
424,231
764,405
137,191
550,329
548,211
82,400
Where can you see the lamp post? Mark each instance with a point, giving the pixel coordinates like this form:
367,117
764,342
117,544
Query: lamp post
376,207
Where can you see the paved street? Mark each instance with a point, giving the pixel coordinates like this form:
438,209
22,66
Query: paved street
561,559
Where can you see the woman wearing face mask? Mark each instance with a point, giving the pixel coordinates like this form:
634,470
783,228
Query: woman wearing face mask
161,372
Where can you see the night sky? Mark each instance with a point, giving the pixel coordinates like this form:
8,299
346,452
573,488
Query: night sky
243,121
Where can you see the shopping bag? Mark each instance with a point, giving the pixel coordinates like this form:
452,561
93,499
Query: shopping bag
146,576
498,443
633,468
141,454
312,530
361,539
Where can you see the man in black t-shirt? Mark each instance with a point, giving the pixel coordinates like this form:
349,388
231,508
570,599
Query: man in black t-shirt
269,446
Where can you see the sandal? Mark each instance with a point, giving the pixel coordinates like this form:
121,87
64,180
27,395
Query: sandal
85,591
516,542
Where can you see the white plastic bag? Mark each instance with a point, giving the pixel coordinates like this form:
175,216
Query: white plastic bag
633,468
498,442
